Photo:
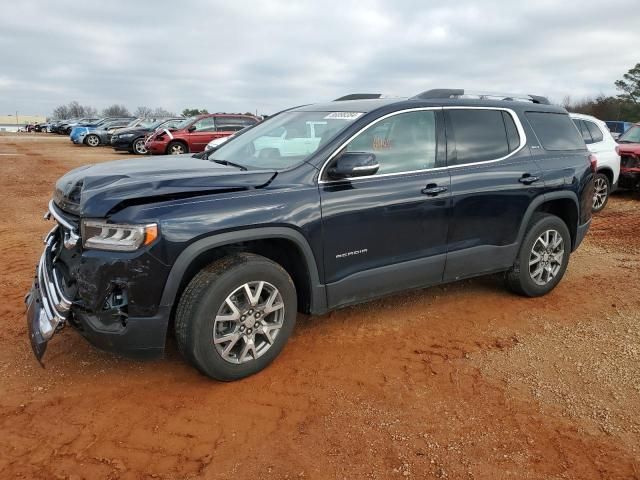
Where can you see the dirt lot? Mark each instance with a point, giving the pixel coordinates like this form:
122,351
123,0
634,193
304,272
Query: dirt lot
463,381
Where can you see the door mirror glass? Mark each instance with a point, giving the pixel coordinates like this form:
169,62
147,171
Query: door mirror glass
353,164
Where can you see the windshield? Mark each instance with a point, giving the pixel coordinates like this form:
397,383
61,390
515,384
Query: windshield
185,123
156,124
284,140
631,136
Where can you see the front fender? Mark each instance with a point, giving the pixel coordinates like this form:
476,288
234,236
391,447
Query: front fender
184,260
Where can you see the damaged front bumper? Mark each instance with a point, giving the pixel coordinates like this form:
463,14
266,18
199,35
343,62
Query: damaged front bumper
110,298
47,306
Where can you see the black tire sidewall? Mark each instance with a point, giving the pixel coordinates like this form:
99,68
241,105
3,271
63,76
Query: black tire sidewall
606,200
545,222
205,355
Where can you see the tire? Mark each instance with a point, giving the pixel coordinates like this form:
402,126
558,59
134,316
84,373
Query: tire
92,140
202,333
526,279
601,191
177,148
138,146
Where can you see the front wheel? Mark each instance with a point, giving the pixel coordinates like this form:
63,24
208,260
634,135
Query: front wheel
543,257
235,316
602,187
176,148
138,147
92,140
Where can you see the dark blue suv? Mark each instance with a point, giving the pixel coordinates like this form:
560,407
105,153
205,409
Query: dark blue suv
315,208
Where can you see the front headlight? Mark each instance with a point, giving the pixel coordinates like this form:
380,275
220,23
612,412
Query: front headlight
111,236
125,135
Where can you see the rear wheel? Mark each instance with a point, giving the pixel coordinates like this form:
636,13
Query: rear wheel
138,147
235,316
602,187
92,140
176,148
543,257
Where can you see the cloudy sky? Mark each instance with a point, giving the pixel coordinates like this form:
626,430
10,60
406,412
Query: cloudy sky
269,54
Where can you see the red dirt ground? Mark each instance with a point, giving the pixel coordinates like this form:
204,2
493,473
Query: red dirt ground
462,381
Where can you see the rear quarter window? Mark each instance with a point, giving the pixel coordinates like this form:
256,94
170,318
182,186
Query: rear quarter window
595,132
556,131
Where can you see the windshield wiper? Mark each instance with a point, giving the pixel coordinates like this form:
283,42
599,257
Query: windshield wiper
228,163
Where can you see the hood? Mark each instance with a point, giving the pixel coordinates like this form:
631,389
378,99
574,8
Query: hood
629,148
102,189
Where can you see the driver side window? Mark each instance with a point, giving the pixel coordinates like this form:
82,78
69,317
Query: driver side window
401,143
207,124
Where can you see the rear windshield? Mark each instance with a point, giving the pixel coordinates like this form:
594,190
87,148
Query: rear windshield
556,131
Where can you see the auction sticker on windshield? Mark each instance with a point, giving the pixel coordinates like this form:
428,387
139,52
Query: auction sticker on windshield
343,115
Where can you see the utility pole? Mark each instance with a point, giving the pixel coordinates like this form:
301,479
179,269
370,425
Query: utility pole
17,119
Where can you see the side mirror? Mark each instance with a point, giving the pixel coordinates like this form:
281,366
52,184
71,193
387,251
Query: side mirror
353,164
192,128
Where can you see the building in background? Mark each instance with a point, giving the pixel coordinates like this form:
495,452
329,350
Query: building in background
9,123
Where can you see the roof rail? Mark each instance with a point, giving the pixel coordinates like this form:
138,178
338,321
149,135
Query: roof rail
459,92
359,96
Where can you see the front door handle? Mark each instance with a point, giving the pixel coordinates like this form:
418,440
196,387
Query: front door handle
528,179
433,190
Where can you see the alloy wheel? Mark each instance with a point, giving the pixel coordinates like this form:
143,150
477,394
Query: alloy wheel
547,254
176,149
600,193
93,141
139,147
248,322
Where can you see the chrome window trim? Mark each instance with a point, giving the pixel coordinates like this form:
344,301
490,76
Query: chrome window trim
514,116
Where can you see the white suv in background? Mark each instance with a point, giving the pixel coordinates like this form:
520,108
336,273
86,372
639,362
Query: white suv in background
599,141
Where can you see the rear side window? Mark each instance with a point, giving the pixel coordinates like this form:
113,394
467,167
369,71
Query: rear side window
555,131
582,128
595,132
241,121
481,135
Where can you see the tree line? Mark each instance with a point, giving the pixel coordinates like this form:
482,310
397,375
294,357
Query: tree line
76,110
624,106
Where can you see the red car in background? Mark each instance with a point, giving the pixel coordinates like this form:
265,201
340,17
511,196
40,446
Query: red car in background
193,135
629,150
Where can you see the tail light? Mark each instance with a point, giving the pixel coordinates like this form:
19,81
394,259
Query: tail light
594,163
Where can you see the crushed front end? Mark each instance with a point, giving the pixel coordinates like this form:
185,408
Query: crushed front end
48,304
111,298
629,171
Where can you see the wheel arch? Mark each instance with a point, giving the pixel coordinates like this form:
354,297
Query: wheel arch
284,245
562,204
608,171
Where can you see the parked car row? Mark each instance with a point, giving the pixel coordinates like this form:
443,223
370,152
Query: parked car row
195,133
132,138
158,136
98,133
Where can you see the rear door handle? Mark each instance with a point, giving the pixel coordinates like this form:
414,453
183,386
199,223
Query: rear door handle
433,190
528,179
